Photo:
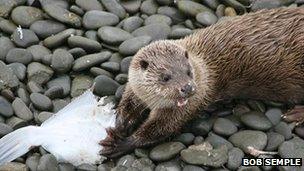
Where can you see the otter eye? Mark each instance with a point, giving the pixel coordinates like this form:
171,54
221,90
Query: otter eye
165,77
186,55
189,73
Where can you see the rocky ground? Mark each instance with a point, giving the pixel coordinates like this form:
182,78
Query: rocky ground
53,51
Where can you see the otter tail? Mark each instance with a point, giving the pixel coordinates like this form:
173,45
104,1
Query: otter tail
17,143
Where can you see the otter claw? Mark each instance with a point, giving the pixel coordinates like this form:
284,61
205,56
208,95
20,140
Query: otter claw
295,115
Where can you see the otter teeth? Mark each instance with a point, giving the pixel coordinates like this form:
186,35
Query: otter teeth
182,102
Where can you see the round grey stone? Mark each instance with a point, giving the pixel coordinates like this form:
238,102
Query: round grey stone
120,90
283,129
77,10
19,55
158,18
6,108
95,19
33,87
165,2
54,92
77,52
62,61
202,126
80,84
235,156
249,138
180,33
38,52
140,152
113,35
5,129
24,95
5,46
63,81
24,38
32,161
58,39
105,86
206,18
131,46
185,138
274,115
121,78
15,122
175,15
217,141
39,73
191,8
48,163
170,165
91,34
46,28
21,110
149,7
111,66
87,44
155,31
126,160
293,148
132,23
273,141
87,61
60,104
41,101
8,78
7,26
124,64
192,168
115,8
19,70
166,151
131,6
224,127
89,5
256,120
62,15
98,71
212,3
26,15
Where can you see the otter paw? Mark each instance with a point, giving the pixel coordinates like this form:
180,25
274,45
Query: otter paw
295,115
115,148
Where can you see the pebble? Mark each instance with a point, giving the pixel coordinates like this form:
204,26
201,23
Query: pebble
256,105
204,154
14,166
105,86
86,167
5,46
202,126
206,18
19,55
273,141
217,141
124,64
131,6
192,8
38,52
6,108
192,168
185,138
132,23
131,46
87,61
21,110
8,78
24,38
235,156
293,148
26,15
62,15
58,104
66,167
158,18
139,152
41,101
54,92
143,164
113,35
24,95
256,120
126,160
80,84
98,71
39,73
89,5
300,131
224,127
62,61
170,165
58,39
212,3
77,52
63,81
43,116
246,138
283,129
19,70
121,78
15,122
274,115
112,67
175,15
33,87
32,161
166,151
155,31
87,44
47,163
149,7
95,19
198,140
77,10
46,28
220,11
4,129
180,33
114,7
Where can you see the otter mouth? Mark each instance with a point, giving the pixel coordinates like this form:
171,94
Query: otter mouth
182,102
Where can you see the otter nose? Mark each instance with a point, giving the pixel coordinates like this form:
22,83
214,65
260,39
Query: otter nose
187,90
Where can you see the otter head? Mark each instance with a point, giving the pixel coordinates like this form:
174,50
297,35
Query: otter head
162,76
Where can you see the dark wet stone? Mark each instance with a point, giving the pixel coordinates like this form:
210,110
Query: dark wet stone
8,78
90,60
274,115
80,84
115,8
256,105
217,141
5,129
283,129
47,163
95,19
21,110
206,18
24,38
39,73
121,78
15,122
19,55
185,138
113,35
87,44
5,46
293,148
124,64
149,7
126,161
192,168
155,31
58,39
26,15
131,6
63,81
18,69
166,151
54,92
87,167
256,120
158,18
98,71
38,52
170,165
132,23
62,61
192,8
180,33
235,156
7,26
89,5
224,127
131,46
41,101
273,141
105,86
34,87
46,28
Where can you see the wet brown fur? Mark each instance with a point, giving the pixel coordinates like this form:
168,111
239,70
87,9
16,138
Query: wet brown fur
257,55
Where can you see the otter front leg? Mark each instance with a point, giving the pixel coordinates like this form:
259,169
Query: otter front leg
158,126
295,115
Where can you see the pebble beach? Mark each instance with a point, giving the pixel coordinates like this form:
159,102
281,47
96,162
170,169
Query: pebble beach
51,51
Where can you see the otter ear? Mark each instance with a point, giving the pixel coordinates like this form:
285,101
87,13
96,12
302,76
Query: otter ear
186,54
143,64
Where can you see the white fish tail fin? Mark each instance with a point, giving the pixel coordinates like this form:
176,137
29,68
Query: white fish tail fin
19,142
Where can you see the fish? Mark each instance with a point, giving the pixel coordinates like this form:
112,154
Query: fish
72,135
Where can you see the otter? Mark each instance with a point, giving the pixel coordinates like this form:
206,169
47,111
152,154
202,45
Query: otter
257,55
